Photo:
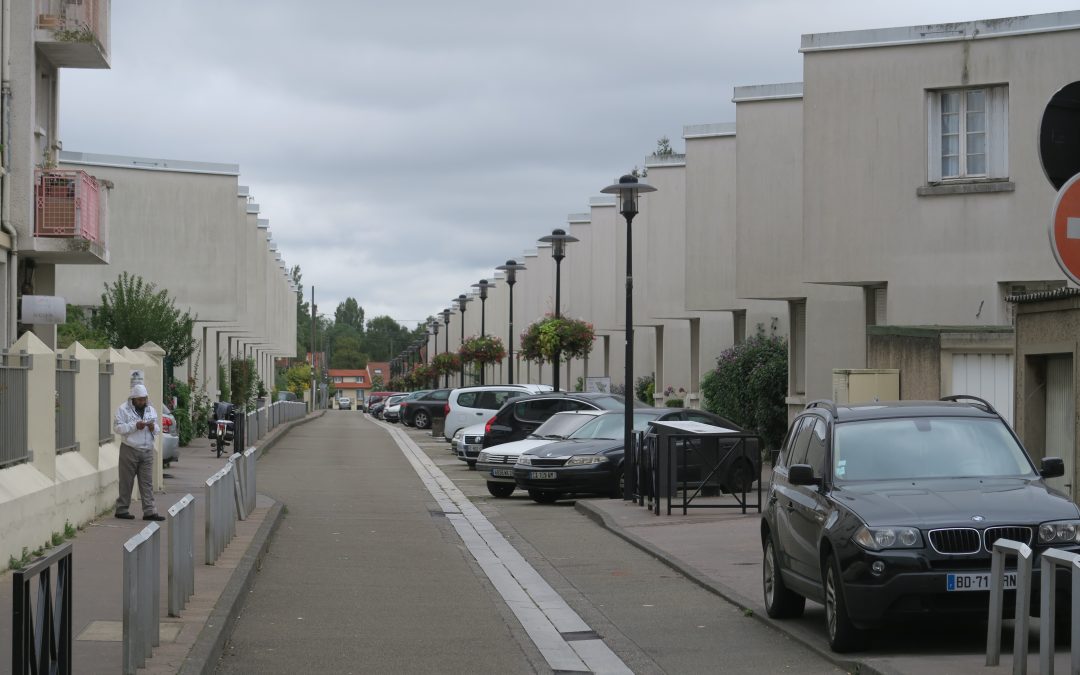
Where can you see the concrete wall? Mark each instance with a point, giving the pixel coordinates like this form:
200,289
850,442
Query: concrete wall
39,496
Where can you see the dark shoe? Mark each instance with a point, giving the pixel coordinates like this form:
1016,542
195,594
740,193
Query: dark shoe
125,516
154,516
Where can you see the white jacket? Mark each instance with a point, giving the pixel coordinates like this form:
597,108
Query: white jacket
124,424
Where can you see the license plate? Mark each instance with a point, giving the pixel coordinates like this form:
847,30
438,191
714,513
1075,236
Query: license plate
976,582
503,472
542,475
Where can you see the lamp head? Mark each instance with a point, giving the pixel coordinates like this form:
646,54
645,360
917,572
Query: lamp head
628,188
510,268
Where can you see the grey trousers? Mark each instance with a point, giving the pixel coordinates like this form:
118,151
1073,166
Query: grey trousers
134,461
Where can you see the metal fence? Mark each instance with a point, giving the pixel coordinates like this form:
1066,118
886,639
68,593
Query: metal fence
142,597
105,432
181,517
14,411
66,370
41,639
220,512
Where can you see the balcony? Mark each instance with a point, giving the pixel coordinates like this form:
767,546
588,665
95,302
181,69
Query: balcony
70,218
73,33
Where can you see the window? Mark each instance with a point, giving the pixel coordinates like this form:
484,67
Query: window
798,441
538,410
739,325
797,347
815,452
968,134
875,305
467,399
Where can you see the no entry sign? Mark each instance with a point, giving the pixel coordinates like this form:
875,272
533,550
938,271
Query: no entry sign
1065,228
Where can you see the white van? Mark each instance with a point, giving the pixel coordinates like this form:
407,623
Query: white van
475,405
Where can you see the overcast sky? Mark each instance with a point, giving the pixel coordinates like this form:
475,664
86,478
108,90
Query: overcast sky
403,150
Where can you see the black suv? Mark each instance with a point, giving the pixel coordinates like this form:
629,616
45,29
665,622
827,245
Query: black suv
889,511
420,411
520,416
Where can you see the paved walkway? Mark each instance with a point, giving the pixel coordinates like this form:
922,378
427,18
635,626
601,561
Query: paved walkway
97,603
721,551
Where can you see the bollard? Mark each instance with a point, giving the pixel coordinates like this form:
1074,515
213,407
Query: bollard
1001,549
220,512
142,597
181,517
1052,559
249,476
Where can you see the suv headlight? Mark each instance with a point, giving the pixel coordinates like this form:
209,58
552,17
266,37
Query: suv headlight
579,460
483,457
525,460
458,434
880,538
1060,532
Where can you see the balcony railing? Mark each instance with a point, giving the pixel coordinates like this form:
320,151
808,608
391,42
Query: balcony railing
74,33
67,204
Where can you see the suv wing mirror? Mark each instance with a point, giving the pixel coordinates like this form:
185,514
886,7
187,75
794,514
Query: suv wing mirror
1052,467
802,474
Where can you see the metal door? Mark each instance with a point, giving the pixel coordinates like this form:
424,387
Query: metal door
1061,418
988,376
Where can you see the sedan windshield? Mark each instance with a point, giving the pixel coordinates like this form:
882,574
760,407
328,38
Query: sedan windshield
560,425
927,447
610,426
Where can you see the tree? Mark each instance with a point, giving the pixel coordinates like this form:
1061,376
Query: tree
663,147
384,338
347,354
350,313
133,312
298,379
78,328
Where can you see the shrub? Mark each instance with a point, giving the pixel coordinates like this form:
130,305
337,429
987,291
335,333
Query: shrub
644,388
182,411
748,387
674,403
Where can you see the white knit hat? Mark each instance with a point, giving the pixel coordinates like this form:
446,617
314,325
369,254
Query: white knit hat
138,391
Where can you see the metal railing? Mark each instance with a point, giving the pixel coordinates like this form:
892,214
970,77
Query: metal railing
142,597
105,417
181,517
80,20
67,205
41,642
220,512
14,408
66,370
1022,581
1052,560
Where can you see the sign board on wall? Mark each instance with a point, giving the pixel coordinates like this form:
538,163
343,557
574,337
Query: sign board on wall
600,385
43,309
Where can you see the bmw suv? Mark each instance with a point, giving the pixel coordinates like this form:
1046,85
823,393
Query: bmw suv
520,416
890,510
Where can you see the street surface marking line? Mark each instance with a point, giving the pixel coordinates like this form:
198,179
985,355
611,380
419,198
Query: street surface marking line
543,613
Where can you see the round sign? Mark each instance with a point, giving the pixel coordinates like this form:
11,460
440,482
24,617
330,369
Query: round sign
1065,229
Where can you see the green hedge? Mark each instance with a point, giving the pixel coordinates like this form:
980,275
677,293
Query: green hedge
749,385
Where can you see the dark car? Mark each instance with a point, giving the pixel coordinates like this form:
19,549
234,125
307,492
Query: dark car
890,510
519,417
418,412
391,411
590,461
377,398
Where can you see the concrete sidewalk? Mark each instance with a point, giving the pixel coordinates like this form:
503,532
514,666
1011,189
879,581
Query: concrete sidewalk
192,642
721,551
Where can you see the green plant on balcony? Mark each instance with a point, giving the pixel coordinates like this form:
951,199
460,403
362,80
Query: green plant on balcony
543,339
80,33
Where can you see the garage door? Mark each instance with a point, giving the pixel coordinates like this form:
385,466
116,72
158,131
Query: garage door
988,376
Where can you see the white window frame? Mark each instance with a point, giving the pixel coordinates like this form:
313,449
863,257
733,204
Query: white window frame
997,134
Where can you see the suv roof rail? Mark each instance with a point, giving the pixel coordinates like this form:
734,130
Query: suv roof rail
960,398
824,403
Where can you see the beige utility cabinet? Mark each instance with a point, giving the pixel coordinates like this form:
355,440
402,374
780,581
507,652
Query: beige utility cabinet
865,385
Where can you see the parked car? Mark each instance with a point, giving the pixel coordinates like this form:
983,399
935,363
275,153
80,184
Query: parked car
344,403
890,510
391,411
170,437
520,416
468,405
590,460
377,397
497,463
467,444
419,411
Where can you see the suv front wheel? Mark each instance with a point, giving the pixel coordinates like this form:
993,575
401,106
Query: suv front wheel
780,602
843,635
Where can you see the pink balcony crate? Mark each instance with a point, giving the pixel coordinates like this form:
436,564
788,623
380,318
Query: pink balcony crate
67,204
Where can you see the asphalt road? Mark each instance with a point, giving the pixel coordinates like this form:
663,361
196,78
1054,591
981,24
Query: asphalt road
367,575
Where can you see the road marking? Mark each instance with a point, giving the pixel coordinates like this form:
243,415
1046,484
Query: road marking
565,641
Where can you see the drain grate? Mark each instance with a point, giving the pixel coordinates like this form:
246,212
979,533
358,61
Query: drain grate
577,636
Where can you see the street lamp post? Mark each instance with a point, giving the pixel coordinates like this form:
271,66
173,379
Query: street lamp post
484,285
434,330
446,344
558,240
462,300
510,268
628,188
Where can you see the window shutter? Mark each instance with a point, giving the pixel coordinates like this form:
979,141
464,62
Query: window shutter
933,137
998,132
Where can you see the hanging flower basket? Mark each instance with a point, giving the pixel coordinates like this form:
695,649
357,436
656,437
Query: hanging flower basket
543,339
446,363
482,350
422,375
397,384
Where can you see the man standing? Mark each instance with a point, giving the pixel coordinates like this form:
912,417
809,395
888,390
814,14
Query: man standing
136,422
